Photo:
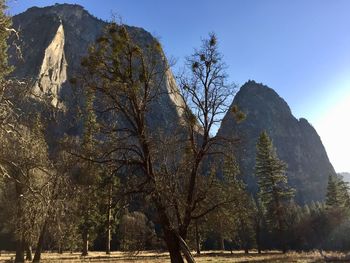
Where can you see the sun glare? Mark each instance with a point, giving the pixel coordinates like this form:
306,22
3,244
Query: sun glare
334,130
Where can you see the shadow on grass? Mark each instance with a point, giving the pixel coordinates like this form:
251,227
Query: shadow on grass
265,257
237,255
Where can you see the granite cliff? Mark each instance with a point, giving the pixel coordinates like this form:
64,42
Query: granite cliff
53,41
296,141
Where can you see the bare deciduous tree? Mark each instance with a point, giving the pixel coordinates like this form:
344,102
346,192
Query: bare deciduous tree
173,171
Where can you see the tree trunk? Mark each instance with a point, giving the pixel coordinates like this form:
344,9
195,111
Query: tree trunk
60,237
29,253
170,236
60,251
85,250
174,242
222,243
20,246
185,250
173,246
40,245
108,241
258,243
281,237
246,250
283,241
19,251
109,220
198,246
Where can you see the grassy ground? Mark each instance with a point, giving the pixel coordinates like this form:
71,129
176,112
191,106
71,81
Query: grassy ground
152,257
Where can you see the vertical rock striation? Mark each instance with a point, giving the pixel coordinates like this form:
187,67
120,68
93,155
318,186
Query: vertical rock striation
53,71
54,40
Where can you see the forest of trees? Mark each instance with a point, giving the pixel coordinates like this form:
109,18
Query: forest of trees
123,185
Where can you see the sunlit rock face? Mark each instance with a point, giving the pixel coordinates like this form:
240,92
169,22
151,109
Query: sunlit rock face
296,141
174,92
53,71
53,41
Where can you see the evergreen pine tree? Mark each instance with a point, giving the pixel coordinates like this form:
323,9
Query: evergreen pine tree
306,210
344,194
337,192
332,197
274,192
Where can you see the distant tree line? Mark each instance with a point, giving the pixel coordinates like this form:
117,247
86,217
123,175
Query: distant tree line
121,185
272,220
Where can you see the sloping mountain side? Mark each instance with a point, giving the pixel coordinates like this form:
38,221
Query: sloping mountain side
296,141
53,41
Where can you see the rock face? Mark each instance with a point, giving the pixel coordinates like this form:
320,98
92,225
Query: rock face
53,71
296,141
53,41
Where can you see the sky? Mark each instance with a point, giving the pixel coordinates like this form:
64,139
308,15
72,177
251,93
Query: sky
299,48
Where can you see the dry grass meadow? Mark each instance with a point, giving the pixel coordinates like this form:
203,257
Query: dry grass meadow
205,257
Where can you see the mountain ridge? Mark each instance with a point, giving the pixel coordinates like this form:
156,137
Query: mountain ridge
39,26
296,141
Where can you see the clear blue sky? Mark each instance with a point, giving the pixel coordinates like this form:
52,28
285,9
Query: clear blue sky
300,48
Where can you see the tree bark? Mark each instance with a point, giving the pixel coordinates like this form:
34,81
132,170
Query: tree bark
222,243
198,246
173,246
185,250
20,246
40,245
173,240
29,253
19,251
85,250
60,237
60,251
109,220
